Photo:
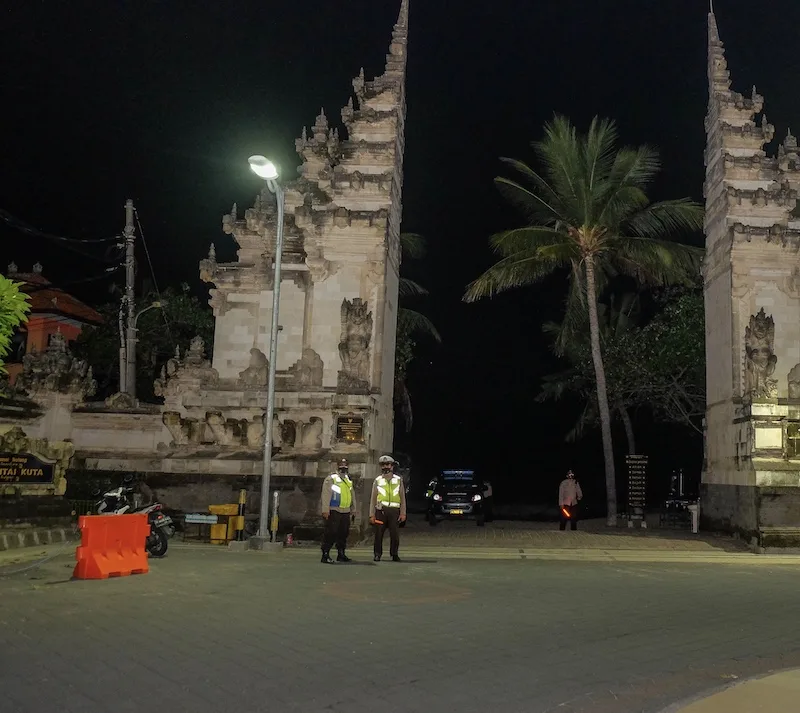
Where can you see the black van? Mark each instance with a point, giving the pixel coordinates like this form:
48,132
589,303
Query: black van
459,494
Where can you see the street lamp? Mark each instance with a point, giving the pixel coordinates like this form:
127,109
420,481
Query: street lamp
128,354
265,169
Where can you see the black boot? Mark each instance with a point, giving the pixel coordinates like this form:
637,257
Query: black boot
376,558
395,558
326,558
342,557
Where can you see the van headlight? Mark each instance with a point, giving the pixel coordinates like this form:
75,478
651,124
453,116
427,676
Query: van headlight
437,497
476,497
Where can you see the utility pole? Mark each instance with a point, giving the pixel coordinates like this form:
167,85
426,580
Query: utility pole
130,276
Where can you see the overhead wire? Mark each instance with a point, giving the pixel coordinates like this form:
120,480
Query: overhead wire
33,287
24,227
66,243
152,273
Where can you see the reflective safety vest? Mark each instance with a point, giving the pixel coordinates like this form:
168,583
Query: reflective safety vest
341,491
389,491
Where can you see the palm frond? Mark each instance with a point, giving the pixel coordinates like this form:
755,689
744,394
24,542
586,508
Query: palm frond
416,323
537,181
658,262
409,288
413,245
666,220
520,269
511,242
598,154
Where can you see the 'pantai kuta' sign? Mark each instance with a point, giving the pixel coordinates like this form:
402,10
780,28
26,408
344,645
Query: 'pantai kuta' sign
350,429
25,469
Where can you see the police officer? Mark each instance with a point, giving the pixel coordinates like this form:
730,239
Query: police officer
387,508
338,505
569,493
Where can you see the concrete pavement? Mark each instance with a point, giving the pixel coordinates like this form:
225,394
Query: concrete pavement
210,630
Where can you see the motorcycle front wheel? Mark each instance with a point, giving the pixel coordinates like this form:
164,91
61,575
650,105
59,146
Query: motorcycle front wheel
157,543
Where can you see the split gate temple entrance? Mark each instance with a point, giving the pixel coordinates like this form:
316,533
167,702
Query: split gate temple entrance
751,477
336,349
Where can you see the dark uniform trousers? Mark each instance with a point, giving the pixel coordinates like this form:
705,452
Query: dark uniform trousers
337,528
572,519
390,519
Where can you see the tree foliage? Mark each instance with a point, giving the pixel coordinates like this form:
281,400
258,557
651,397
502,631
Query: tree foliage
587,212
14,308
411,325
181,317
657,367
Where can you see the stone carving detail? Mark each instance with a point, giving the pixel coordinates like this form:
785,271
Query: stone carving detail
256,375
187,374
307,372
217,430
227,432
354,347
59,453
760,357
120,401
318,266
184,431
309,435
794,383
55,371
285,433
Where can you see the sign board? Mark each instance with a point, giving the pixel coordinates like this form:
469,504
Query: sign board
199,519
637,486
25,469
350,429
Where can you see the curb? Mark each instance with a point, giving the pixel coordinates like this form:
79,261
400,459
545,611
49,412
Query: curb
32,538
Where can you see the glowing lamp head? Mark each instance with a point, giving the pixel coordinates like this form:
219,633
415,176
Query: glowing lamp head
263,167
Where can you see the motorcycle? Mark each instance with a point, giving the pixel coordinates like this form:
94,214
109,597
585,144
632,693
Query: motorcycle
119,501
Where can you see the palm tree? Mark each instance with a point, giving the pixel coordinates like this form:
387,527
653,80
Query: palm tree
410,323
588,212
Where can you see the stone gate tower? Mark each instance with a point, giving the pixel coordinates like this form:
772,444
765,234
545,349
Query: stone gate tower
751,479
339,294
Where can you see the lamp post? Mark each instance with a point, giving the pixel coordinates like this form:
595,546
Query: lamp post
130,352
267,170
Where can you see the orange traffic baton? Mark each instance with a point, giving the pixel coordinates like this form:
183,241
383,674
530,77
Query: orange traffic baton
112,546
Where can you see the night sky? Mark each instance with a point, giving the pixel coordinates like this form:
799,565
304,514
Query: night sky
164,101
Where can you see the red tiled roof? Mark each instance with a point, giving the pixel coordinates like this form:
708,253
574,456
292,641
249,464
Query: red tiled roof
53,300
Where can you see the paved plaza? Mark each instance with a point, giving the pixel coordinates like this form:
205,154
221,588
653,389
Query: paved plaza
212,630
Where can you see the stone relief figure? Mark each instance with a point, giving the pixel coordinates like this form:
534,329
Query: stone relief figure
254,438
794,383
187,374
307,371
760,359
256,375
184,431
227,432
309,434
354,346
55,370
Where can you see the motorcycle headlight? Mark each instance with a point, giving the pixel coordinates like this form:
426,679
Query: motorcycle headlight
436,496
476,497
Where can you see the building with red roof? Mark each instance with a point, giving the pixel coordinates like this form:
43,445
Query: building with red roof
52,310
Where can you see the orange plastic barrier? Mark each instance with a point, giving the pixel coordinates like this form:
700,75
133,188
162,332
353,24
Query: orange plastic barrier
112,546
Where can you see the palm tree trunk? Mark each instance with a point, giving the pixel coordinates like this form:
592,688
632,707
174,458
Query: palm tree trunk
602,393
628,424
